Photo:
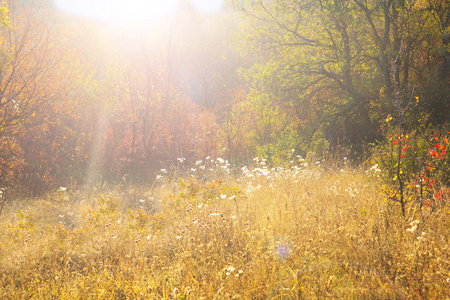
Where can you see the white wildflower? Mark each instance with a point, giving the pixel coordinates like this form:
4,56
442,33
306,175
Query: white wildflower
230,269
413,225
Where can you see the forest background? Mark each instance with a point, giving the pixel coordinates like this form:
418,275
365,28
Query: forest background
86,100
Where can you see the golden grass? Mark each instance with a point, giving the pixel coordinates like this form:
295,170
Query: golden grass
290,235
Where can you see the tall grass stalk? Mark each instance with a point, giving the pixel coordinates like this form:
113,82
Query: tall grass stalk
299,233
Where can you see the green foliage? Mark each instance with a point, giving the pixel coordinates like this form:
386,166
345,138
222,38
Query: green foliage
281,150
319,146
326,62
4,17
313,73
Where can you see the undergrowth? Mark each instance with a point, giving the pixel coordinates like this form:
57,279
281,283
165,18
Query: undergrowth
293,233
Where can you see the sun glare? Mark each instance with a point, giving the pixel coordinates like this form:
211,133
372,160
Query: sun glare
115,10
132,10
208,6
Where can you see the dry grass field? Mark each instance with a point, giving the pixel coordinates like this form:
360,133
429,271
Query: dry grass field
293,233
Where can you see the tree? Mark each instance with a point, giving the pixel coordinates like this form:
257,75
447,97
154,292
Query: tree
332,59
236,122
151,125
35,71
204,66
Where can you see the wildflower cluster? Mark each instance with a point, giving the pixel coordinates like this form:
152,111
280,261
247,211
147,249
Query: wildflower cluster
268,232
192,192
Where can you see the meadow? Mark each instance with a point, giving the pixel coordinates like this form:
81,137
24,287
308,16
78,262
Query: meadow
298,232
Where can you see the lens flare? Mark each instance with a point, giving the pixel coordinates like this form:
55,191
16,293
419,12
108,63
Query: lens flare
281,247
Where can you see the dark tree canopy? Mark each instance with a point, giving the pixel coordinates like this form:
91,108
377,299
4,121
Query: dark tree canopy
340,63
